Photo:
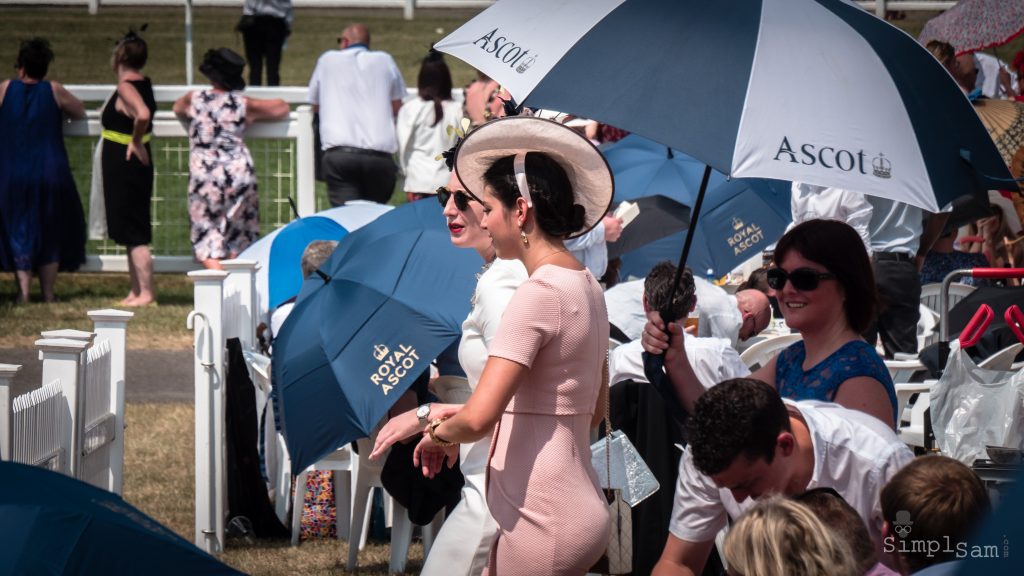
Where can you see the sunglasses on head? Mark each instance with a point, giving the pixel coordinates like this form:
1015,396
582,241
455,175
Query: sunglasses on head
803,279
462,198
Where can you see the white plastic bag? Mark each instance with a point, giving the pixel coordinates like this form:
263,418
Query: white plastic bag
972,408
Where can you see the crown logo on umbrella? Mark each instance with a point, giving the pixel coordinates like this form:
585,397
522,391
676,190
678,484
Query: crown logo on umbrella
380,352
881,167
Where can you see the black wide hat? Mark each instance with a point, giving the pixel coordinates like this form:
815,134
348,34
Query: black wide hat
224,66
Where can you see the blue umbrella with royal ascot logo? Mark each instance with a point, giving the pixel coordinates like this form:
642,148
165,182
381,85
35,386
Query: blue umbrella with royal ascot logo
390,299
740,217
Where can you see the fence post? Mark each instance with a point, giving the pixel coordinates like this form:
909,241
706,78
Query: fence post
211,482
305,158
112,325
7,374
62,359
880,9
410,9
243,278
69,334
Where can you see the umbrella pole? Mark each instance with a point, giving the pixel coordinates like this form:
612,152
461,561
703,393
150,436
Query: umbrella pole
666,315
654,365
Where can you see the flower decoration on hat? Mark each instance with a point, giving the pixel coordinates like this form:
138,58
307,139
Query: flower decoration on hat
460,131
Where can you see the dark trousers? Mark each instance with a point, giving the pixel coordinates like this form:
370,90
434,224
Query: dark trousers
899,289
264,40
355,174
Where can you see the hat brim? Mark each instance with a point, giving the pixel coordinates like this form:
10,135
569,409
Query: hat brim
589,174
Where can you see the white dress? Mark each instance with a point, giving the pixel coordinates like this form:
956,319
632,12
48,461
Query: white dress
419,143
465,540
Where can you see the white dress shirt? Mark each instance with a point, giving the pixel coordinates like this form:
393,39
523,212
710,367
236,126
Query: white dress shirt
712,359
718,312
354,89
625,303
809,202
895,226
590,249
854,453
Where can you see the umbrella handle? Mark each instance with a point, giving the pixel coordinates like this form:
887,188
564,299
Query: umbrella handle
190,323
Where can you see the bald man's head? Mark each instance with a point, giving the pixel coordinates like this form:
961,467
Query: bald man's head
756,311
355,34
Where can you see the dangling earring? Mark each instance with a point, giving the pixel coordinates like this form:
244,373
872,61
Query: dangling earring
526,241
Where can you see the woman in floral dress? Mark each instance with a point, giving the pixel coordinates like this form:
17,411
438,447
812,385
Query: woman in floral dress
222,196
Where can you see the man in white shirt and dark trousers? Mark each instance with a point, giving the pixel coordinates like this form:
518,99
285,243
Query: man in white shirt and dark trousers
746,441
357,93
898,237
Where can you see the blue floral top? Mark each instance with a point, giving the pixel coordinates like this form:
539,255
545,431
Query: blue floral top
938,264
853,359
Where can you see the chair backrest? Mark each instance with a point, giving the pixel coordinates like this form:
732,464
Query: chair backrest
1002,360
930,294
452,389
762,352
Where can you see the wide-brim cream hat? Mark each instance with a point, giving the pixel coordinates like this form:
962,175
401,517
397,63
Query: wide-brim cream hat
591,179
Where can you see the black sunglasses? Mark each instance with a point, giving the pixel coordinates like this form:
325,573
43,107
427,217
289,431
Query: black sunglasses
462,198
803,279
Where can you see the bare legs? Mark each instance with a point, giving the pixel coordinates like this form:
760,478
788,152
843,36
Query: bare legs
140,271
47,278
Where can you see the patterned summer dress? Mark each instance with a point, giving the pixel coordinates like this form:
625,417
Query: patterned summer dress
222,198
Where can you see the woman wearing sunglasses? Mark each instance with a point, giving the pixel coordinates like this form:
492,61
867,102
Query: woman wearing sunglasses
826,290
464,543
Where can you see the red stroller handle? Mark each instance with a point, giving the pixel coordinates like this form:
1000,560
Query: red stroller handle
977,326
1015,320
997,272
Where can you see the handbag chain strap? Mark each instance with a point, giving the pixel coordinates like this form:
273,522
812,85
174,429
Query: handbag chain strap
607,431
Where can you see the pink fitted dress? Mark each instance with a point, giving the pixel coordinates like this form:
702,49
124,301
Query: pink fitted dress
541,489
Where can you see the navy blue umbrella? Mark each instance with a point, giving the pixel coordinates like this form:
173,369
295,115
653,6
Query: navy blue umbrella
740,217
55,524
389,300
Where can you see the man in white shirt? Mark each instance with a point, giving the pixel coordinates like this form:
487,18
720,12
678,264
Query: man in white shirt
898,239
733,317
625,304
591,249
810,202
713,359
746,441
357,93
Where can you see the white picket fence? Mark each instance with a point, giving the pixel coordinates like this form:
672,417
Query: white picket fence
74,423
225,307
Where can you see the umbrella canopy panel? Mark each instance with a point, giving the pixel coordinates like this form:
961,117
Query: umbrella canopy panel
976,24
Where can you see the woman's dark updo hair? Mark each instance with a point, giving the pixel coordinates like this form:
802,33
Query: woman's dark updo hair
837,247
435,82
34,57
556,213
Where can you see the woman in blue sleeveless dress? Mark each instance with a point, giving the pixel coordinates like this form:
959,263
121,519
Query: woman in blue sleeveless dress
826,290
42,225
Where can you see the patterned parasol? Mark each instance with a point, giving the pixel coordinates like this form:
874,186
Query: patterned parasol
1004,120
976,24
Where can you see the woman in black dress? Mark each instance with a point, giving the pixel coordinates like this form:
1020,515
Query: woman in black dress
127,169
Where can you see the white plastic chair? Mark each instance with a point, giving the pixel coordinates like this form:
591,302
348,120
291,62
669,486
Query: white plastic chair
366,478
912,416
1002,360
342,463
760,353
930,294
927,327
903,367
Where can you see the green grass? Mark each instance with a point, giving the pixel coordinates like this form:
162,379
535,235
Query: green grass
83,43
153,327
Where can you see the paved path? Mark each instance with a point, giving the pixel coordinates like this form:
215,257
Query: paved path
151,375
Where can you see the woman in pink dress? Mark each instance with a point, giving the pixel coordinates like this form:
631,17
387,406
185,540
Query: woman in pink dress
543,387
